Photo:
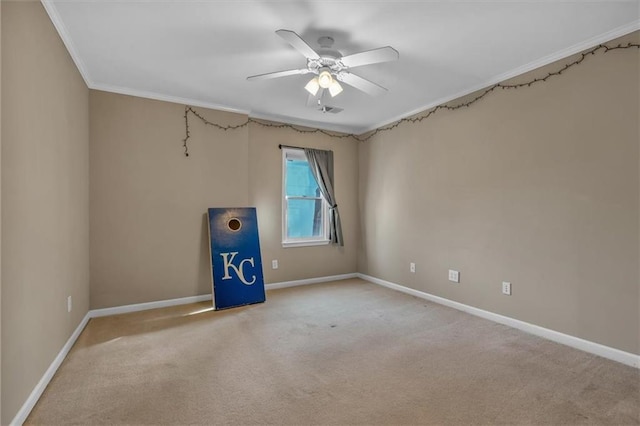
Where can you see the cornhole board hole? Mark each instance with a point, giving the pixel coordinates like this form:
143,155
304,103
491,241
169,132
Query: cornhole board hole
237,277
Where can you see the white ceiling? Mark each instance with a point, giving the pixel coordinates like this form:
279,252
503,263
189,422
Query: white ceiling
200,52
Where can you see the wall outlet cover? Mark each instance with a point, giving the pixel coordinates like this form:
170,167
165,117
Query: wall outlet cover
454,276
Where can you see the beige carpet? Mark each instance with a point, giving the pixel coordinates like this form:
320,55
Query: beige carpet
347,352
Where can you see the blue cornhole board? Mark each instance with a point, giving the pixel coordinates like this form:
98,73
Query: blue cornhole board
235,257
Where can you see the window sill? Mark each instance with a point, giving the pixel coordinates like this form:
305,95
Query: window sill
308,243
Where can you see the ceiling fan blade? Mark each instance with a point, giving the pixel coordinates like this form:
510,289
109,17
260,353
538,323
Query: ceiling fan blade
278,74
382,54
298,43
360,83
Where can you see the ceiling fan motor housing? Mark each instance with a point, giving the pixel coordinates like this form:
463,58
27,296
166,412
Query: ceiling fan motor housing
331,62
329,58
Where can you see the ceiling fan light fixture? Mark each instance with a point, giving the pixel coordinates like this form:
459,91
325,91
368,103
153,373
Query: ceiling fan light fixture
325,79
335,88
313,86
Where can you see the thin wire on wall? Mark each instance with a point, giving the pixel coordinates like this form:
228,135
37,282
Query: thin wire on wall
416,119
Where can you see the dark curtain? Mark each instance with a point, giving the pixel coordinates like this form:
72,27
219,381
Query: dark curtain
321,165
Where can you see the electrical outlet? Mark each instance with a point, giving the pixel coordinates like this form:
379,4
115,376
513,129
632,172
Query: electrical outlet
274,264
412,267
506,288
69,304
454,276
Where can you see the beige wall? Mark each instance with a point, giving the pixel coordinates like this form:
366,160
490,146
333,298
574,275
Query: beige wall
0,211
538,187
265,192
148,231
45,200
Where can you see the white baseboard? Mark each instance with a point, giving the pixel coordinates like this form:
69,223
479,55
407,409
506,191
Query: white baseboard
31,401
95,313
296,283
575,342
125,309
623,357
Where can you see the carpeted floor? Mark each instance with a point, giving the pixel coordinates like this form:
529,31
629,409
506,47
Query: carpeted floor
347,352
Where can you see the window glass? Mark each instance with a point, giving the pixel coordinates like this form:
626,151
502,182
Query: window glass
304,210
300,180
305,219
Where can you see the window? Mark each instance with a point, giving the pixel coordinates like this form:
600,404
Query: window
304,211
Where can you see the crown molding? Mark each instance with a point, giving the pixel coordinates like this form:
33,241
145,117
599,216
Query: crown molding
556,56
165,98
311,125
51,10
49,6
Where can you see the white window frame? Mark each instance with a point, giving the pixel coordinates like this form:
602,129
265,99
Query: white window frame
298,154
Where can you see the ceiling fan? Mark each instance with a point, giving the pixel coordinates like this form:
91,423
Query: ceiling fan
330,67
